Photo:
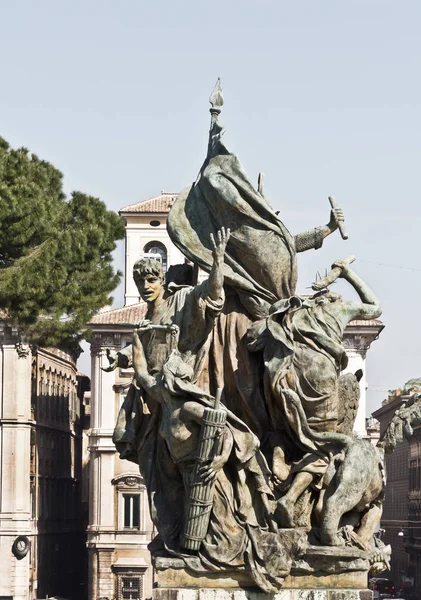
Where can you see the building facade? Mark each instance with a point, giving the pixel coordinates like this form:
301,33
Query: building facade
117,536
119,527
412,537
42,524
401,518
395,506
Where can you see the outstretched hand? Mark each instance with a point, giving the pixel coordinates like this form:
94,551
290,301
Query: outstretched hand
219,245
343,265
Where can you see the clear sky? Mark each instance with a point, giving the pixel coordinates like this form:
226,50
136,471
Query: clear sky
322,96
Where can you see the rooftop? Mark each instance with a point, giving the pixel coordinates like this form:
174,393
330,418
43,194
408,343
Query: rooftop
158,204
116,316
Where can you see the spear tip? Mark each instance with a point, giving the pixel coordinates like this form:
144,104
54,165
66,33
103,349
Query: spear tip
217,98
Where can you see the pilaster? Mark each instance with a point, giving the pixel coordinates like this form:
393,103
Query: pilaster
15,447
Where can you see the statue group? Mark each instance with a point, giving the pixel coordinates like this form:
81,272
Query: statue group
239,415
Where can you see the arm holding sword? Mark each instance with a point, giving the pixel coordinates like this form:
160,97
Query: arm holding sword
314,238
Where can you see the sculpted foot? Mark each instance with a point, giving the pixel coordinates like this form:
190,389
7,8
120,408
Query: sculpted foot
331,540
285,512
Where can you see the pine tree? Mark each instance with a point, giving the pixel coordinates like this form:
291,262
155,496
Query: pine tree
55,253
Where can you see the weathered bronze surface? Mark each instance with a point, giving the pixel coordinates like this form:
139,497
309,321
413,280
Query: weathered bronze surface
239,415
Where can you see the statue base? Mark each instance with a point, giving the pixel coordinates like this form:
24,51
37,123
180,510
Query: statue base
254,594
321,573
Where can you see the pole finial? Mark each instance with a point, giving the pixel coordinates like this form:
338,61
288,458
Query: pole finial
216,100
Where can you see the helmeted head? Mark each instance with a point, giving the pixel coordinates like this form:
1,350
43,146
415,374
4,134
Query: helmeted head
149,279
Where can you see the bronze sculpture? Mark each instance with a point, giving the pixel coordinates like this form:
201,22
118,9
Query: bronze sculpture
244,362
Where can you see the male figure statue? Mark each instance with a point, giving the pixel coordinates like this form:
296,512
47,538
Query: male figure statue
192,309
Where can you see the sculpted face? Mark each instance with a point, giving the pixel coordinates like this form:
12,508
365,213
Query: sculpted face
150,286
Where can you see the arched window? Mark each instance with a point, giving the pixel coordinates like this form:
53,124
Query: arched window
157,249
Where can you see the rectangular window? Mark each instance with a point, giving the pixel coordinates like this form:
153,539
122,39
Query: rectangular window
131,511
130,587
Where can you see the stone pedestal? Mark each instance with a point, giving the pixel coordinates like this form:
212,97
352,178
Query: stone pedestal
321,573
248,594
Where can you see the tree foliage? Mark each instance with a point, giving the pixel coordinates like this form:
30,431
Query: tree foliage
55,253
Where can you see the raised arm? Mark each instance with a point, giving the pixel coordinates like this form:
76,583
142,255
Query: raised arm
369,307
216,275
314,237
